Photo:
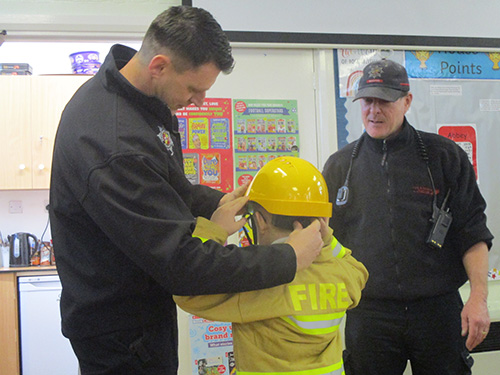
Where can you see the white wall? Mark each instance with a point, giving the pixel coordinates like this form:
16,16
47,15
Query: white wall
33,218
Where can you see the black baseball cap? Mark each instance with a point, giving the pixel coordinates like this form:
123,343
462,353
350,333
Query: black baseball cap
383,79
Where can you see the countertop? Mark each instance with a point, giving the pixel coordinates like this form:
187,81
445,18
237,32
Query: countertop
28,269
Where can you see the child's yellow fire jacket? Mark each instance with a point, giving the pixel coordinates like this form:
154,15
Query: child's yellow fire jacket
291,329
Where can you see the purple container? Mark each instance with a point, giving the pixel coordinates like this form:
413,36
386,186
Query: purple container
87,68
84,57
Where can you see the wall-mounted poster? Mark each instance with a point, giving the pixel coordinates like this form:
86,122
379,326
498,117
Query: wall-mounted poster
211,347
206,138
465,137
264,130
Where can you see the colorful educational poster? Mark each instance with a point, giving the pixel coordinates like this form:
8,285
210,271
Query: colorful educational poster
206,139
192,167
183,132
465,137
211,347
198,133
264,130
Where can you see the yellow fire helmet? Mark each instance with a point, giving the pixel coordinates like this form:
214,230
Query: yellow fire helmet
291,186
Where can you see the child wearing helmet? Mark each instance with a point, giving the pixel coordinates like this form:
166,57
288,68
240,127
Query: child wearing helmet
291,328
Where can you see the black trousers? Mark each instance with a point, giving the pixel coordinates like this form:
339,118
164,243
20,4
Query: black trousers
381,336
141,351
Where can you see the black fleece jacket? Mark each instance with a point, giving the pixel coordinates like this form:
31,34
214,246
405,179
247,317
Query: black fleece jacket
122,215
386,219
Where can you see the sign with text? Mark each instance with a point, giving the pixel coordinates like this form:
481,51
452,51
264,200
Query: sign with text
264,130
207,143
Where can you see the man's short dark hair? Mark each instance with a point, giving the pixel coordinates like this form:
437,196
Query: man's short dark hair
191,36
283,221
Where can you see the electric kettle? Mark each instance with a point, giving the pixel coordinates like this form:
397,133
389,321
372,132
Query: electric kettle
22,247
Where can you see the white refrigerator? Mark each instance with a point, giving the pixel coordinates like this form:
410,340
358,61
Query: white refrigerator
44,350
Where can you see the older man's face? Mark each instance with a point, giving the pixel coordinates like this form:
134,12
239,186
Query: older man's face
382,118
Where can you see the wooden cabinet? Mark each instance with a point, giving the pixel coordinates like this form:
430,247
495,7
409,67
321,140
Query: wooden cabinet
15,118
49,94
30,109
9,328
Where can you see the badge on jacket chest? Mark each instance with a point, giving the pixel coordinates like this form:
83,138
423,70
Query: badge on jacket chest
166,139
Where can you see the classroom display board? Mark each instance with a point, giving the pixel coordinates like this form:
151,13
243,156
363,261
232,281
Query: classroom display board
265,130
455,94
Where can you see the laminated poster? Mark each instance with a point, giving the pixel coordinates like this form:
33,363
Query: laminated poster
465,137
211,347
206,139
453,64
264,130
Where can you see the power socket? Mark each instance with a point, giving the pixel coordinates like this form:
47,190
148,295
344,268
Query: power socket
15,207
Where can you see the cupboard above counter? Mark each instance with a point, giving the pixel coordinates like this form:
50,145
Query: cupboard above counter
30,109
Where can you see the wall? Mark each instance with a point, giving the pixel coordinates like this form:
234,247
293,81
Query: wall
33,218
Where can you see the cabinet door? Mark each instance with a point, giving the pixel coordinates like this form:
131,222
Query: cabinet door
15,148
50,94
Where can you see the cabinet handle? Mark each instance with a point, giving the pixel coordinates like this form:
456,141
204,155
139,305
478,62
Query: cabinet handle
41,167
22,167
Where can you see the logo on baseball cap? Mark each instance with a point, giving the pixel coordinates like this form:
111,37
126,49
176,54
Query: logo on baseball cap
383,79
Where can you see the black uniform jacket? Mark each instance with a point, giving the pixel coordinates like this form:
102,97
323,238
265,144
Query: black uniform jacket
122,214
386,219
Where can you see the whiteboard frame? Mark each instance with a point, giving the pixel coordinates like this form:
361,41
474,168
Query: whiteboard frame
443,30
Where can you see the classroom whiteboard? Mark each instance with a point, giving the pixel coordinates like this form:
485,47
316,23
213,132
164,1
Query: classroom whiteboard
384,22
